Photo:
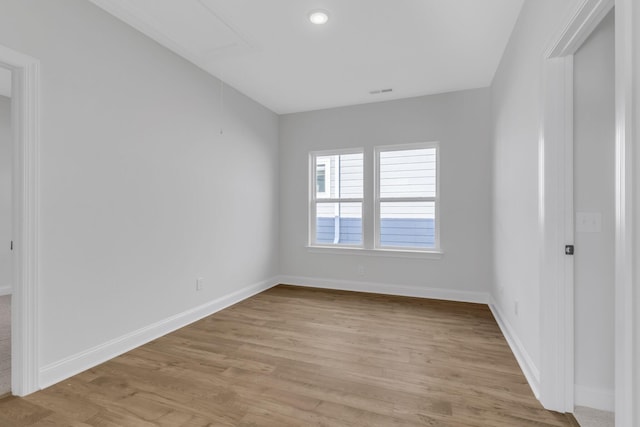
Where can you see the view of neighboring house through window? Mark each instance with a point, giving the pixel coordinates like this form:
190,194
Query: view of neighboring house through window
337,198
406,197
405,201
322,180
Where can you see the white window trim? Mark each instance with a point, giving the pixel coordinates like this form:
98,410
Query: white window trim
313,200
386,252
370,206
378,200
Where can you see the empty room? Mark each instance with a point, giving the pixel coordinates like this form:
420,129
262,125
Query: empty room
319,213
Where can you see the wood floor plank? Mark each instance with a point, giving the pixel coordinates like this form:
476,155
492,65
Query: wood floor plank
5,345
305,357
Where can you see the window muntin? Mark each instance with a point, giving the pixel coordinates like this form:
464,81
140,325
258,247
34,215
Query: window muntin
337,198
407,197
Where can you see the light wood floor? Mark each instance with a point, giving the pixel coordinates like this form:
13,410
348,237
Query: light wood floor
305,357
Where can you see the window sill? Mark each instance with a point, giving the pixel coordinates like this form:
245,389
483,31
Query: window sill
392,253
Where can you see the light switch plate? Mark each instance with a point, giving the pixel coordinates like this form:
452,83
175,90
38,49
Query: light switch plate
588,222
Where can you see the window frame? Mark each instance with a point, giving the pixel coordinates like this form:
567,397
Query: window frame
314,200
370,202
377,200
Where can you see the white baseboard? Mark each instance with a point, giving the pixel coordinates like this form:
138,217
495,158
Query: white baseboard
72,365
531,372
5,290
595,398
387,289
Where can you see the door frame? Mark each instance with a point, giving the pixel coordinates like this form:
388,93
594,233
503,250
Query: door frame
626,204
25,115
556,209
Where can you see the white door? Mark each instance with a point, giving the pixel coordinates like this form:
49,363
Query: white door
594,203
6,226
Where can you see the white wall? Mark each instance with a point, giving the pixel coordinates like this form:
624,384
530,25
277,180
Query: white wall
460,121
141,193
517,108
594,192
6,160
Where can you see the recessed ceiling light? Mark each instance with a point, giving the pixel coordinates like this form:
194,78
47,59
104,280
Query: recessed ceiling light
318,17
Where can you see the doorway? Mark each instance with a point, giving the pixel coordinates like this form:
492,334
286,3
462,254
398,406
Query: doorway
556,213
6,229
594,221
25,143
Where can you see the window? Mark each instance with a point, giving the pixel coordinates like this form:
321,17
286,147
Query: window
323,180
336,200
406,197
402,213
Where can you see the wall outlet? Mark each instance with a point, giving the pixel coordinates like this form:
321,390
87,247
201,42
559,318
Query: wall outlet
360,270
515,307
199,281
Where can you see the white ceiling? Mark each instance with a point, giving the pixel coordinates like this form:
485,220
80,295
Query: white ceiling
272,53
5,82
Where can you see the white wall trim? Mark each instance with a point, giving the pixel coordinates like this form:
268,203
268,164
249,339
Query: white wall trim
530,370
556,208
389,253
5,290
626,363
25,111
596,398
578,27
72,365
388,289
